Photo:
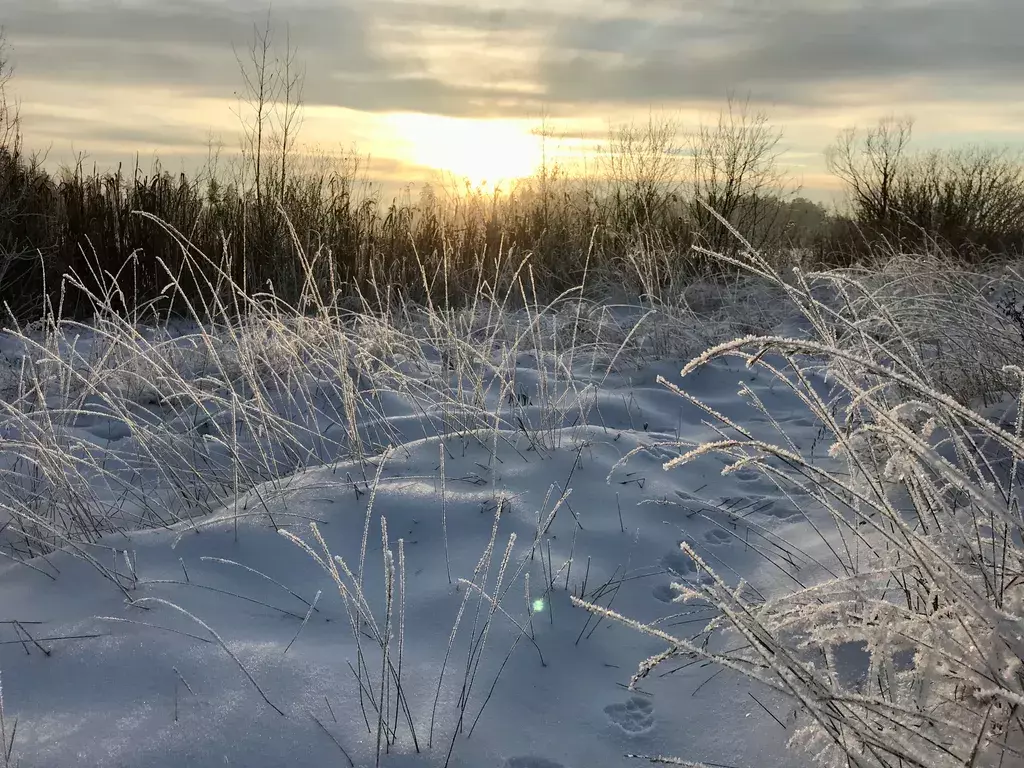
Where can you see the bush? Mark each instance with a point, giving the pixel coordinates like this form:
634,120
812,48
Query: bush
969,199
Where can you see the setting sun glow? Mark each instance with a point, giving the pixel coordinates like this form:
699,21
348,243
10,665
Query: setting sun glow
488,153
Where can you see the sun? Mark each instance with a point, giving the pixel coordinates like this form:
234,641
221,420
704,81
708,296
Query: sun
487,153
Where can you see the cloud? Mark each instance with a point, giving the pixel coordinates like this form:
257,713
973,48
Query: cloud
187,44
790,51
820,63
91,131
349,50
459,59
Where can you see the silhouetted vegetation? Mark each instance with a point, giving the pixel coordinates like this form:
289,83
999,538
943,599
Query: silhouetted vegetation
968,200
630,225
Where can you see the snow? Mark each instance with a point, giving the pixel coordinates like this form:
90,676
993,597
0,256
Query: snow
120,677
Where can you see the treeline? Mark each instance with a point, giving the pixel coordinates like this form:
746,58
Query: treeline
969,200
285,222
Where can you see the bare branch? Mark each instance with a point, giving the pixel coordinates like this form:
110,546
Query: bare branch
736,174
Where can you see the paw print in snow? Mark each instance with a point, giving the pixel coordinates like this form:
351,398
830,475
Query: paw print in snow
635,717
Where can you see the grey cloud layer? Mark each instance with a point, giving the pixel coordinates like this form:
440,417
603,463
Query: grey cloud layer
798,52
790,52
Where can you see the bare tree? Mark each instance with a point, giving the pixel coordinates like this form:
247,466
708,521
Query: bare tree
262,83
270,112
870,166
643,166
12,171
288,112
969,198
736,174
10,134
270,109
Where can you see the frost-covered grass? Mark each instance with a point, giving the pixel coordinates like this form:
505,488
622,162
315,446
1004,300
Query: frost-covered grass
909,652
355,533
125,423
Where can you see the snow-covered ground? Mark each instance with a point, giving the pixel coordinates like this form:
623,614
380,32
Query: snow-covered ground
276,529
138,695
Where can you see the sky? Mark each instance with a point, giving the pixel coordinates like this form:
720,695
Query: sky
460,86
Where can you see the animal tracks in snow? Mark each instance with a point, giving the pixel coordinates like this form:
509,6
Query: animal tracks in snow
749,476
664,593
635,716
717,537
733,509
679,564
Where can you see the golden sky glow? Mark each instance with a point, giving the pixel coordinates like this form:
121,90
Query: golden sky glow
456,87
488,153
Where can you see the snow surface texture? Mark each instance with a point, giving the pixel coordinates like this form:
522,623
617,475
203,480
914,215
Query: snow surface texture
422,537
219,640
